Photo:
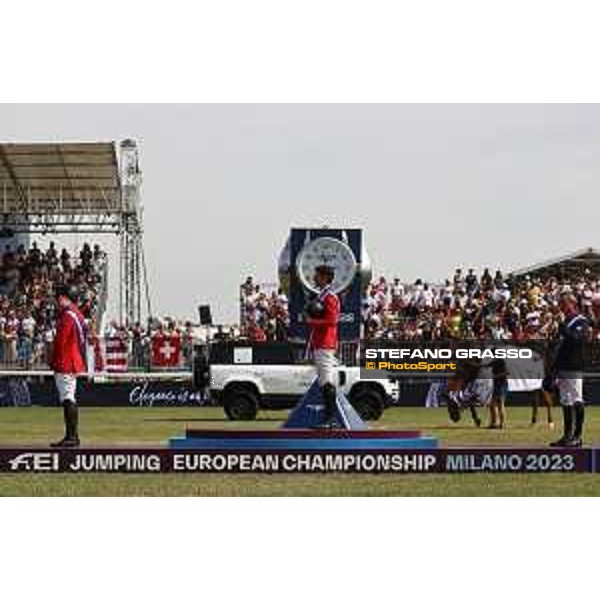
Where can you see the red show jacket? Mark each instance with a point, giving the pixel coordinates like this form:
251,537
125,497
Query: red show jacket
68,353
324,330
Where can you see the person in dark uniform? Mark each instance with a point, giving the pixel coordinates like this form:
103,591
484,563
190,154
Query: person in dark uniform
567,369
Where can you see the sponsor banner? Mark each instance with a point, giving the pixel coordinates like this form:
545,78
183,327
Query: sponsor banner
122,393
162,460
14,392
19,392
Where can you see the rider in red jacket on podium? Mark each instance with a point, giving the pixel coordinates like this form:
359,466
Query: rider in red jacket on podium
69,360
323,314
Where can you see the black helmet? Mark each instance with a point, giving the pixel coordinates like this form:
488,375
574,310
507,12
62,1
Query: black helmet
315,308
70,291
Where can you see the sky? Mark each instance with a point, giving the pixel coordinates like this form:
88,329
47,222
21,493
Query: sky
434,186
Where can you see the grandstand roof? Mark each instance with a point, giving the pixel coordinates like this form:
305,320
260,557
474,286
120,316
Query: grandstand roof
66,177
585,258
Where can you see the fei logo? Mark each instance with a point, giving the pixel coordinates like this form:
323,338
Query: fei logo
39,461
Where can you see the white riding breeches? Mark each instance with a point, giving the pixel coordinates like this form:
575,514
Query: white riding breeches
66,385
326,364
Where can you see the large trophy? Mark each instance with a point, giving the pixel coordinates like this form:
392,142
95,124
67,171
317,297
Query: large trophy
342,249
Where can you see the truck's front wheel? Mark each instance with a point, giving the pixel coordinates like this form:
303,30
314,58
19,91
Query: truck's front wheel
368,402
240,403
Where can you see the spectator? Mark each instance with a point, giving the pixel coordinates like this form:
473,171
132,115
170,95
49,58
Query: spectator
65,261
471,282
26,340
85,257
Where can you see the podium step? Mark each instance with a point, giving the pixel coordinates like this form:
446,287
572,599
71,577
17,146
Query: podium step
322,433
300,444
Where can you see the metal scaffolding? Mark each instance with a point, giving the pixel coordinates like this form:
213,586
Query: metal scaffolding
80,188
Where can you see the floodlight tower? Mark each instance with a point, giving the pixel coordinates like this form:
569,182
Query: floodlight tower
132,263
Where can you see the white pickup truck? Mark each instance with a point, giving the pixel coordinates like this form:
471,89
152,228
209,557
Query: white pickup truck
246,378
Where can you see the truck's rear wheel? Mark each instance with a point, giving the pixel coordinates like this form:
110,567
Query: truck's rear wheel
368,402
240,404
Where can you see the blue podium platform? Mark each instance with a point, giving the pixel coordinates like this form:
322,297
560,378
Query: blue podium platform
306,443
306,431
325,439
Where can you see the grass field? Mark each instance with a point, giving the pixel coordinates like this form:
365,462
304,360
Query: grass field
153,426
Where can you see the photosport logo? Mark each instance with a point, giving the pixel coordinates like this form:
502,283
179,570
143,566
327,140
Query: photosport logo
385,359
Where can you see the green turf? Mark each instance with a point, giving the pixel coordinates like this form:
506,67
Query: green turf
153,426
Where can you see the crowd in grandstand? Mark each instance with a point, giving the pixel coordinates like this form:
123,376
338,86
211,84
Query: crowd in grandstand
467,305
470,306
28,278
264,314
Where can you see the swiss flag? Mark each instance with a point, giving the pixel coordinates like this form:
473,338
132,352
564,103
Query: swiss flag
166,350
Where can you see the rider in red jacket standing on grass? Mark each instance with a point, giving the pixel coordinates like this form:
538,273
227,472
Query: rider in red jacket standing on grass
323,314
69,360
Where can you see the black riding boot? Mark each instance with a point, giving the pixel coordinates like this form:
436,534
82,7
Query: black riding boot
579,410
329,397
568,414
71,418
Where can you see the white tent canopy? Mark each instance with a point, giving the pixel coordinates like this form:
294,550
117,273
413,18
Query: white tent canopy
59,178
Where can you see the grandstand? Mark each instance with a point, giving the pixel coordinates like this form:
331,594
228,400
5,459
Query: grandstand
583,261
482,305
58,189
79,188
